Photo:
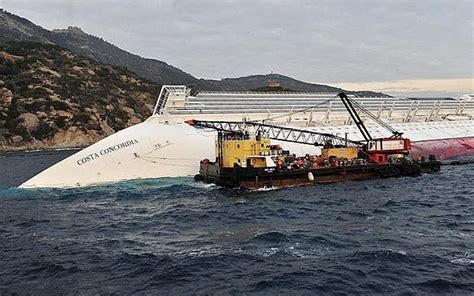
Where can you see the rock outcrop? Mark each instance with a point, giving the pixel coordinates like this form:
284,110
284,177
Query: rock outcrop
51,97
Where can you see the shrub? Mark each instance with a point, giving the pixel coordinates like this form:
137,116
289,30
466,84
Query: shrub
59,105
40,92
36,105
60,122
42,131
10,85
10,69
12,112
20,131
82,117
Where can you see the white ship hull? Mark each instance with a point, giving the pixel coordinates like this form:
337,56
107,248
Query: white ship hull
154,149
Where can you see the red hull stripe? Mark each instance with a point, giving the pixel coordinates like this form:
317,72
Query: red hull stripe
444,148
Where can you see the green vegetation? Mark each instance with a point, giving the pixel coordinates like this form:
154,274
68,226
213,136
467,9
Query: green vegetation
43,130
45,89
272,88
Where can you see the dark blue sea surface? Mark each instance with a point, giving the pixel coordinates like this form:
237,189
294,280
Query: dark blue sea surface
174,236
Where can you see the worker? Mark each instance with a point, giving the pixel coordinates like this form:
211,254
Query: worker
300,162
280,164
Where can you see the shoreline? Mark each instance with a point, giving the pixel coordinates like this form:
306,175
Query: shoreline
13,150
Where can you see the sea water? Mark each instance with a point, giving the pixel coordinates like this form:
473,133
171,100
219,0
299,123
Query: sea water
175,236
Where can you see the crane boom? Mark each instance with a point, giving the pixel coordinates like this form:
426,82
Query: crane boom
349,104
355,117
276,132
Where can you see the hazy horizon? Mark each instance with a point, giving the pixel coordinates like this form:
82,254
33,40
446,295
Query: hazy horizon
400,48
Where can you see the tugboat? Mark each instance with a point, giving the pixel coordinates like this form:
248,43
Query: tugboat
246,158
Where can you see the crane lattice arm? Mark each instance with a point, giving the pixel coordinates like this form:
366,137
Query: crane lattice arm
349,104
276,132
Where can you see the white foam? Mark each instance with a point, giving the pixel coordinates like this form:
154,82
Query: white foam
462,261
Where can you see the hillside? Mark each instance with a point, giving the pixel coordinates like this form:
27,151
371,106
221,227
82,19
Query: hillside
15,28
52,97
256,81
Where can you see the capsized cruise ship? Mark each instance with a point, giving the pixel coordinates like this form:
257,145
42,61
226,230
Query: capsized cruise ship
164,146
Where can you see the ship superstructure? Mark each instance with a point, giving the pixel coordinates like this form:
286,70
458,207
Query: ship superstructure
178,103
164,146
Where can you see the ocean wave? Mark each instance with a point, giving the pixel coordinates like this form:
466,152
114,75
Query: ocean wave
175,236
384,255
271,237
442,285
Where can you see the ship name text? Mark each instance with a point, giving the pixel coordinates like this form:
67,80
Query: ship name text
106,151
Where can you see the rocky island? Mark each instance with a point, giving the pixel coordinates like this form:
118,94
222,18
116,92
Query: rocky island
53,98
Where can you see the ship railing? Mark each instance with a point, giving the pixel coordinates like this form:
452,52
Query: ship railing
166,91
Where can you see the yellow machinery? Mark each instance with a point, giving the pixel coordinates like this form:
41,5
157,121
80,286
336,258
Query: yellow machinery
244,152
342,152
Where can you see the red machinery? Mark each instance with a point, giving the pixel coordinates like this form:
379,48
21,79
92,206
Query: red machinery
378,149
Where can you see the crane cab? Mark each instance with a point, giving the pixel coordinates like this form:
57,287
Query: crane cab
390,145
388,149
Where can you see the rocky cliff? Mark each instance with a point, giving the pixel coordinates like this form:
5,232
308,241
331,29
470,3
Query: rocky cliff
51,97
16,28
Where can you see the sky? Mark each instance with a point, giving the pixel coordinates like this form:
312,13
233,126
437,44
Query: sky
400,47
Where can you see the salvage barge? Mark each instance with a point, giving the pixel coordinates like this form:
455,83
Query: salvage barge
254,178
272,167
247,159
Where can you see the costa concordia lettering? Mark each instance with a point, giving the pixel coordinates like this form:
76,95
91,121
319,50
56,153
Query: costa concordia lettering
118,146
164,146
106,151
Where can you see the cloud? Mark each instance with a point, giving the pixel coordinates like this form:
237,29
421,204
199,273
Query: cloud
416,86
332,41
